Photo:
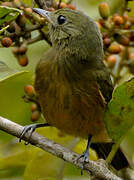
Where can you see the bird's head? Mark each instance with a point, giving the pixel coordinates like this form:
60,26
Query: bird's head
72,28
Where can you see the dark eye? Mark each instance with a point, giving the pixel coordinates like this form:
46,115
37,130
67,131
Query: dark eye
61,19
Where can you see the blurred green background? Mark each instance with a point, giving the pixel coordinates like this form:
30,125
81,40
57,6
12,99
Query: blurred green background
18,161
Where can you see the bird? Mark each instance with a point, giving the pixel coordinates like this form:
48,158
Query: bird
72,83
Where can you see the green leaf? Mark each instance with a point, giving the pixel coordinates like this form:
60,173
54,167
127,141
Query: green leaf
3,67
12,106
5,71
119,116
8,14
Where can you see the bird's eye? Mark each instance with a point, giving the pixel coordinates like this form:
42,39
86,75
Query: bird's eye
61,19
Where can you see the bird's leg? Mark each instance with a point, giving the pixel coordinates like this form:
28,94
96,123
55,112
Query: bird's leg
31,128
85,155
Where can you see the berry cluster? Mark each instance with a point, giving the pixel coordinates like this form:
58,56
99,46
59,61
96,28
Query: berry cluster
65,5
19,32
16,34
31,97
118,38
20,54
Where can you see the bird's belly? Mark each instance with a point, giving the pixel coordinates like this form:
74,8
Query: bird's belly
74,114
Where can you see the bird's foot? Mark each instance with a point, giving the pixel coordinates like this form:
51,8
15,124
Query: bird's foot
31,128
84,159
85,155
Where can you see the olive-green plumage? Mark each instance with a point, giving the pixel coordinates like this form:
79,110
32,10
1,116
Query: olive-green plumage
72,81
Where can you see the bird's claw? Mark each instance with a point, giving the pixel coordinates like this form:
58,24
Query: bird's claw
31,128
85,159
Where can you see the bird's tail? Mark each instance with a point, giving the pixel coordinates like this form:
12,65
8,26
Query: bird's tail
103,149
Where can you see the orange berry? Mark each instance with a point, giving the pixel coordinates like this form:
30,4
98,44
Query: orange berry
63,5
125,41
28,10
104,10
131,55
131,19
107,41
35,116
122,39
114,48
127,25
6,41
118,20
101,21
29,90
34,107
23,60
111,60
125,16
71,6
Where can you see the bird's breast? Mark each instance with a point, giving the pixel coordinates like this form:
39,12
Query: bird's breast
77,108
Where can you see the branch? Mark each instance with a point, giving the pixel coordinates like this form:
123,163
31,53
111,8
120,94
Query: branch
98,169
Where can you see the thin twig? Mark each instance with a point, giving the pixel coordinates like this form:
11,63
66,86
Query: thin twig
98,169
22,33
33,27
36,39
59,3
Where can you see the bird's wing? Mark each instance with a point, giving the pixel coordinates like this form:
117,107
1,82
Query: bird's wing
105,83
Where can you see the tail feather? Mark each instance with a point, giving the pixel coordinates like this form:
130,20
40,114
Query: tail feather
103,149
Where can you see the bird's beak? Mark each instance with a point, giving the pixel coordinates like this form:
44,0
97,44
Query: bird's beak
43,13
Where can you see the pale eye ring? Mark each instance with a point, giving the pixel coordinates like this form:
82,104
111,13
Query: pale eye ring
61,19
